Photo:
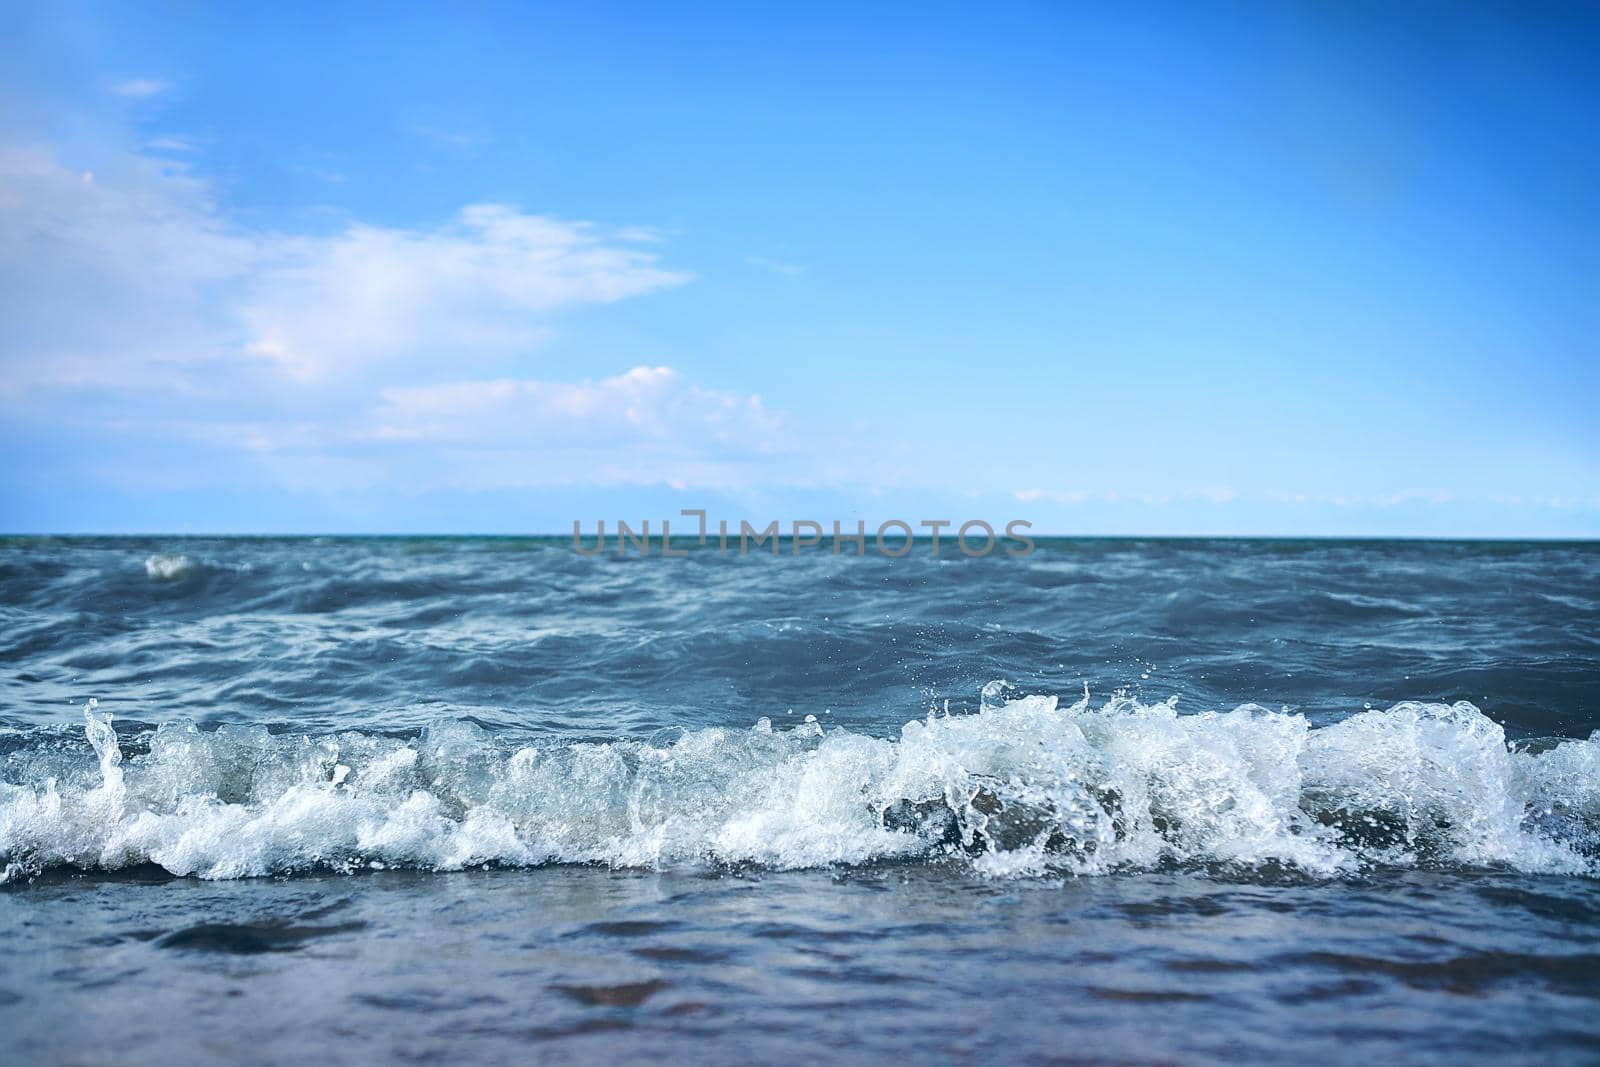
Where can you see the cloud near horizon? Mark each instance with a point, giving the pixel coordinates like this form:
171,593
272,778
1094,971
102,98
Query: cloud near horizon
645,427
645,403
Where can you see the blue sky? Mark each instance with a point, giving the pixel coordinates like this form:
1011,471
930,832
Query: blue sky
1254,269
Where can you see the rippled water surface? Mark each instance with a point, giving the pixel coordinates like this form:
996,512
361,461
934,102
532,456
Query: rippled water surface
488,798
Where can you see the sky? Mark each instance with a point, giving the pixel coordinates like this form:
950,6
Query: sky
1179,269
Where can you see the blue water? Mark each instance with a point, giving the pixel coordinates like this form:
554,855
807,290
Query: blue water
491,799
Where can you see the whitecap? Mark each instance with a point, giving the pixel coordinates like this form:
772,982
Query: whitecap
162,568
1024,787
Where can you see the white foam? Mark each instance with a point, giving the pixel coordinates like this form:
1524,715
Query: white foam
1024,787
162,568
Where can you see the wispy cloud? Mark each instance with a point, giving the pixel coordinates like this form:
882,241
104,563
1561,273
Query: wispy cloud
1395,499
450,137
140,88
646,426
1208,495
643,404
1290,503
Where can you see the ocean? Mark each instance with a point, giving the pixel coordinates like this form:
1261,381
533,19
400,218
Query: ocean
492,800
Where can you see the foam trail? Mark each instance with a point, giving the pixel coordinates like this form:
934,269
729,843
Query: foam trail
1023,787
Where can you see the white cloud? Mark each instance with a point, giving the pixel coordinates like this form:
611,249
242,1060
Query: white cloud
449,137
169,144
646,426
121,278
643,427
140,88
482,283
108,278
644,404
1030,496
1210,495
130,303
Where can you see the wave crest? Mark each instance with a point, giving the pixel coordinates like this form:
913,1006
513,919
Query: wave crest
164,568
1023,787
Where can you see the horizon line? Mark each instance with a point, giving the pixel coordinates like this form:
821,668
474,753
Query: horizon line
694,539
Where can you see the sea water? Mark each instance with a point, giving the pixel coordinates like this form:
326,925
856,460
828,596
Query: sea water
494,799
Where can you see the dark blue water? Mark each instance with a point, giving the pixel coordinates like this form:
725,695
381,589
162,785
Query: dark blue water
491,799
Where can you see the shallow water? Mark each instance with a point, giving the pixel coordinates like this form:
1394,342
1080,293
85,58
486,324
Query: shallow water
589,965
719,807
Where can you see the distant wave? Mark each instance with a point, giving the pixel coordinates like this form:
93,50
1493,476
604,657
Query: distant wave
1023,787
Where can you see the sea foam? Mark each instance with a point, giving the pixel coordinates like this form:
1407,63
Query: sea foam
162,568
1024,787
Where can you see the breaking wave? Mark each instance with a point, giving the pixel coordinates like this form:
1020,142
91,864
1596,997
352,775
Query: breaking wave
1023,787
162,568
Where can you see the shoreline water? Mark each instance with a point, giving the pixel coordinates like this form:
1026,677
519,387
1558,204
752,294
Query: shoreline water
586,964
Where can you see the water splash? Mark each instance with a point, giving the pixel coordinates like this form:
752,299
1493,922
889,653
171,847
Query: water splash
1023,787
162,568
